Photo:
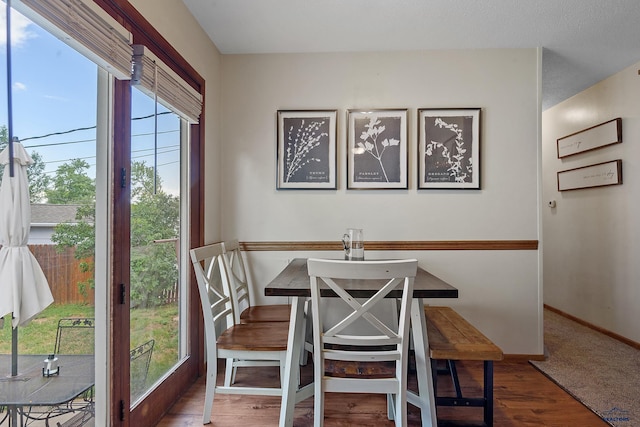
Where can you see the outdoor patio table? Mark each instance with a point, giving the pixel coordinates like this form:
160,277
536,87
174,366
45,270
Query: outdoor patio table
293,282
30,388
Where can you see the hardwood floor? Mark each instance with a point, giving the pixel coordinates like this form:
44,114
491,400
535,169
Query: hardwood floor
523,397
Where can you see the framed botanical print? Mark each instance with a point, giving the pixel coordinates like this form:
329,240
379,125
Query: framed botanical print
377,149
449,148
306,152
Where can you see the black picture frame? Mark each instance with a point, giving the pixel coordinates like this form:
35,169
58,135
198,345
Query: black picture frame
377,153
306,149
449,148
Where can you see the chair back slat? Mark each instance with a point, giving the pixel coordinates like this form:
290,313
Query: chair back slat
362,356
212,279
238,277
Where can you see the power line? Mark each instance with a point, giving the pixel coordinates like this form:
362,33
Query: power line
53,144
169,163
165,150
57,133
79,129
132,158
65,132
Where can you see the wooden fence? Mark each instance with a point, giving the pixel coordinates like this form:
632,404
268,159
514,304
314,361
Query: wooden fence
170,296
62,270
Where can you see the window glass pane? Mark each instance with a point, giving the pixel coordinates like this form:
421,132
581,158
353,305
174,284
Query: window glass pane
155,241
54,101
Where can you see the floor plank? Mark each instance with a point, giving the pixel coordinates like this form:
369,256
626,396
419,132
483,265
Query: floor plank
523,397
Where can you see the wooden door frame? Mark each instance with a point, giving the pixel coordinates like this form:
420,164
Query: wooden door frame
155,405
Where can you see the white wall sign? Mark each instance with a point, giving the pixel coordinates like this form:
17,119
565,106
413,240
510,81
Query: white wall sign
598,175
597,136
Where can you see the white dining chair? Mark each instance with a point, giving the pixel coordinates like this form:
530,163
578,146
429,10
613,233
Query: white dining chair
244,311
250,344
341,357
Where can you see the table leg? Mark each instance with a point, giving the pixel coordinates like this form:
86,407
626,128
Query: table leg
488,392
13,412
426,397
290,381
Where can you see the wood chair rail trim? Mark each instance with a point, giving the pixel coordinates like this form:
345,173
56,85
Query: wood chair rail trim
400,245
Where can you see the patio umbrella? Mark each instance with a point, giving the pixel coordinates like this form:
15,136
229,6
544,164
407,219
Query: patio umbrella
23,286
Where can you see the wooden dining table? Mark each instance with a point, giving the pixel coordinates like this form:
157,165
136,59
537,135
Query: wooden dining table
293,282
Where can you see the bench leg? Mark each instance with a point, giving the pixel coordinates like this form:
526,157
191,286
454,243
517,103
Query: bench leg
434,375
486,402
450,369
454,377
488,393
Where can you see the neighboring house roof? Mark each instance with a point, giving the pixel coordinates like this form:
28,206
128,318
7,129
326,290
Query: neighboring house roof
47,215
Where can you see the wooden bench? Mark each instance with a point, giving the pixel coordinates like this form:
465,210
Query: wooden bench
452,338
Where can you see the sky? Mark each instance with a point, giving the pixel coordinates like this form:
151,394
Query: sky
54,93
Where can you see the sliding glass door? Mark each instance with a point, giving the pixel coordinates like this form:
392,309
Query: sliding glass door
120,171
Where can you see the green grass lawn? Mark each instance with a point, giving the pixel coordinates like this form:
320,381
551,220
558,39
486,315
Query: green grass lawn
159,323
39,336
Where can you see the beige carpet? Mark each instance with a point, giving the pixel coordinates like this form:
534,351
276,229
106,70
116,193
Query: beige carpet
599,371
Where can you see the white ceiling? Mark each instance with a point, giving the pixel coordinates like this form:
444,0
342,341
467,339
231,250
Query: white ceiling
584,41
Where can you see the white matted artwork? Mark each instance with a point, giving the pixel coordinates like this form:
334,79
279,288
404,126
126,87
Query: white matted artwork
595,137
597,175
449,148
377,149
306,149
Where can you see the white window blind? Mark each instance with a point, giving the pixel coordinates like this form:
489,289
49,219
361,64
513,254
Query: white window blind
87,28
154,77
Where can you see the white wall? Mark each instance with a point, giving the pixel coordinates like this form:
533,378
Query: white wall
500,291
592,237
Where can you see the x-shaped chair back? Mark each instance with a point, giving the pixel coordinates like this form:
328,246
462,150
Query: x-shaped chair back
238,282
210,272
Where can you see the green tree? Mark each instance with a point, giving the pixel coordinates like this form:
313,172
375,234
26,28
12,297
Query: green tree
154,231
71,184
81,235
38,179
